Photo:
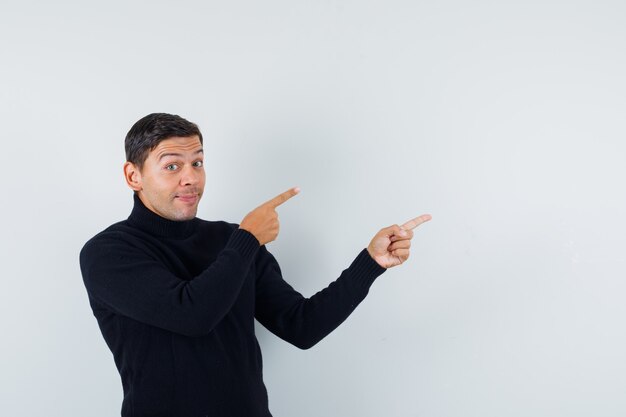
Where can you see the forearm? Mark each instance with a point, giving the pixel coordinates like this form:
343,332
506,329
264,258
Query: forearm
305,321
137,286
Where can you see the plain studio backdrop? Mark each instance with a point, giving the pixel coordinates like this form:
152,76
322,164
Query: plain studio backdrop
504,120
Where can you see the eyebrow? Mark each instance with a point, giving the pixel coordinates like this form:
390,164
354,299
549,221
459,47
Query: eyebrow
178,154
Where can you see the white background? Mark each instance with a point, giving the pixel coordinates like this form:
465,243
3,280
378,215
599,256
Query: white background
504,120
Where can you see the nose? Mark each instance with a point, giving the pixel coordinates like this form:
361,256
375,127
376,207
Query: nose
190,175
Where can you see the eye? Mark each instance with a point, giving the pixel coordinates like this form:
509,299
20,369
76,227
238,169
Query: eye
198,164
171,167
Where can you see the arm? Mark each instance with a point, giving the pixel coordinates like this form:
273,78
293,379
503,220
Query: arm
305,321
129,282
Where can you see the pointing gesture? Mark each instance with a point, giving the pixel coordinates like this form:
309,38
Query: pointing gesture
390,246
281,198
413,223
262,222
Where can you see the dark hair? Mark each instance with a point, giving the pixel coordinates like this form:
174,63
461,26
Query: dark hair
150,130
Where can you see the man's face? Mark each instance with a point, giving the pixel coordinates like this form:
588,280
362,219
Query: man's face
171,181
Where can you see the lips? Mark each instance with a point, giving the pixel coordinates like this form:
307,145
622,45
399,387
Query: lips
188,198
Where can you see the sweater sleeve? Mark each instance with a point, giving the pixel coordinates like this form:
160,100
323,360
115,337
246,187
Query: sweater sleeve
305,321
130,282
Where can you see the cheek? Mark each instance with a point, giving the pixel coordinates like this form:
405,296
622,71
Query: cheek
202,179
162,183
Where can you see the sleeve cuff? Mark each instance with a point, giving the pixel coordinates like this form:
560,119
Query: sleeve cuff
365,269
244,242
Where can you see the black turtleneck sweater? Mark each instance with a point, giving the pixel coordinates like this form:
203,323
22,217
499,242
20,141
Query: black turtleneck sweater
176,303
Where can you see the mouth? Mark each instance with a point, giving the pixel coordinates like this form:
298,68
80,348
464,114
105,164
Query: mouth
188,198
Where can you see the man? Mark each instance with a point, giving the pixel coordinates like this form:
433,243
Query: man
176,297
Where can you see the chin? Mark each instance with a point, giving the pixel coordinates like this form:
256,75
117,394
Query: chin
186,212
179,215
186,216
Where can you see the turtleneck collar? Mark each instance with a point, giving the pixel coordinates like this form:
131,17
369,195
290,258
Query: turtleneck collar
148,221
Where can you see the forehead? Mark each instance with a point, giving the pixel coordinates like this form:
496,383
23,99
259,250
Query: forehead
177,145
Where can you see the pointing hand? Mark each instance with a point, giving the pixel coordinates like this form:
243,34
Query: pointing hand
262,222
390,246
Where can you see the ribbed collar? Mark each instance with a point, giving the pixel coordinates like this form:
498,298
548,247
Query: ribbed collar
148,221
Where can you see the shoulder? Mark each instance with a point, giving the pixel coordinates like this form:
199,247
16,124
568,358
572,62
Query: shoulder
116,230
117,236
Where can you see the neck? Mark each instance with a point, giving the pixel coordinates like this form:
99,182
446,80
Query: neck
149,221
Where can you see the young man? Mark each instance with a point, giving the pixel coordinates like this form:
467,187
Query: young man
176,296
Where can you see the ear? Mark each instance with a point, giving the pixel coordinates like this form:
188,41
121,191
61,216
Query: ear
132,175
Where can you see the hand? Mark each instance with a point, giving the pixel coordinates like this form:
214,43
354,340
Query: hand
390,246
262,222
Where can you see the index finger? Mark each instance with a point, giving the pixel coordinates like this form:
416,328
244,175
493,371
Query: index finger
413,223
281,198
